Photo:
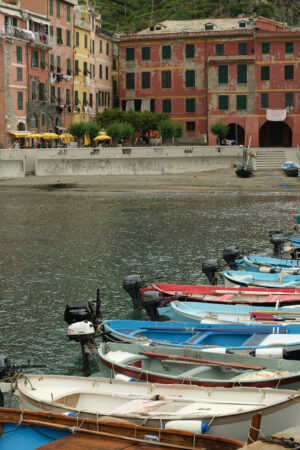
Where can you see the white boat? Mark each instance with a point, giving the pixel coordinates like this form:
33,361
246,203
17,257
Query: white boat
225,412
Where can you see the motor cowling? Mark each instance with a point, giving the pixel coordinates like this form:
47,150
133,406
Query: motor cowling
133,285
151,300
81,331
230,255
272,232
78,311
277,240
211,267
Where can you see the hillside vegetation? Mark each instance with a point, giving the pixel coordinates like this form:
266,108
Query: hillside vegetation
134,15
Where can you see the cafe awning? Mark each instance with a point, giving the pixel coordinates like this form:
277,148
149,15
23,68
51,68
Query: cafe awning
19,134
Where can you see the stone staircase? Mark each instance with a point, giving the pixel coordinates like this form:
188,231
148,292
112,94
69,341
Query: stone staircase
269,158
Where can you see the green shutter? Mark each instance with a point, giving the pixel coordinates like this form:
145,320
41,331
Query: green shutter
166,106
58,9
289,72
289,47
51,30
242,73
241,102
265,73
145,80
189,51
166,52
51,7
289,99
189,105
223,102
19,54
129,54
68,38
264,100
223,74
68,13
189,78
243,48
58,36
265,48
145,53
20,100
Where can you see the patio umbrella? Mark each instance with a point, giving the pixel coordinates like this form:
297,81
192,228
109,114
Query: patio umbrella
102,136
33,135
50,136
87,140
67,137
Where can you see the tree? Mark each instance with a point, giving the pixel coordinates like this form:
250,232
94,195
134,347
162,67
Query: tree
78,129
114,131
219,129
127,131
92,128
178,129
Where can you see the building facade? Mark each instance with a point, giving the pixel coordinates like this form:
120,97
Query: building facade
243,72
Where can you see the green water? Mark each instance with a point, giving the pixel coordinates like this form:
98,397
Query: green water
58,247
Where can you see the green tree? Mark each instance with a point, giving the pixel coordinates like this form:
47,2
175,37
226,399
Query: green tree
78,129
127,131
219,129
178,129
114,131
92,128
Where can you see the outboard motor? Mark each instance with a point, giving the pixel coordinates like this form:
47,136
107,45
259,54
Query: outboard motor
78,311
230,255
81,331
211,267
272,232
133,285
150,300
277,240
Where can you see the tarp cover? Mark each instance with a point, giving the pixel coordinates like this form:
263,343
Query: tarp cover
276,115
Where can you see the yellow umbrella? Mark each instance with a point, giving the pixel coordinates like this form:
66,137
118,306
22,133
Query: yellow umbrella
102,136
87,140
50,136
33,135
67,137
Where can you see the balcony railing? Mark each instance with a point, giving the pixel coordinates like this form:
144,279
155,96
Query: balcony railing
35,38
82,24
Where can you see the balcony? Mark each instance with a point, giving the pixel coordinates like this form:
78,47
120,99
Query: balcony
35,39
82,24
230,58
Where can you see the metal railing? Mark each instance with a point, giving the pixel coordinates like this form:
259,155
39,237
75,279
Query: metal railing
28,35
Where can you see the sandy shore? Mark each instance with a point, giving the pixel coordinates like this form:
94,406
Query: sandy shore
213,181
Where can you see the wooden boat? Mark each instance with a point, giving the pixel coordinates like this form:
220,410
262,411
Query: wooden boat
291,168
244,171
283,279
246,339
36,428
200,312
226,412
266,264
198,367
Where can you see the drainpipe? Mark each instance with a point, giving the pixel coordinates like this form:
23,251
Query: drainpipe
206,87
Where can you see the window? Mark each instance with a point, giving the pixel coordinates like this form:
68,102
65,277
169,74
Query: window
52,68
100,46
93,70
242,73
51,7
20,100
43,117
190,126
152,105
145,80
189,105
19,74
166,52
68,13
84,99
52,94
189,51
58,64
208,27
219,49
129,54
130,80
265,48
68,38
223,74
106,73
76,99
69,70
107,48
289,47
115,87
85,41
241,102
58,9
59,99
68,96
58,36
85,69
243,48
100,71
34,58
12,21
242,24
33,121
265,73
91,100
42,91
51,30
33,90
19,54
77,39
145,53
166,106
264,100
43,62
76,67
223,102
166,79
189,78
288,72
289,99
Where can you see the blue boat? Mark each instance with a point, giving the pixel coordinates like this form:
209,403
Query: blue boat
232,314
280,341
294,241
282,279
291,168
266,264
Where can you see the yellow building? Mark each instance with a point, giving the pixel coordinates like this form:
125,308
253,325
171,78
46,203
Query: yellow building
83,25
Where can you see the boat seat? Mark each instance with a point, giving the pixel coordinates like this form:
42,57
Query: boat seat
255,339
195,371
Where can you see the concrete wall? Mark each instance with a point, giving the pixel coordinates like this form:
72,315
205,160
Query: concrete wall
12,163
134,161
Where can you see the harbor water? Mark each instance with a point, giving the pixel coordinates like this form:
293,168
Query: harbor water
59,247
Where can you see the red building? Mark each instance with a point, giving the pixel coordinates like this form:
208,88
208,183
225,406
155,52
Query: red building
243,72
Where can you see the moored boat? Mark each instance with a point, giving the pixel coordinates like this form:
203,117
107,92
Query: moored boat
291,168
244,171
283,279
199,367
226,412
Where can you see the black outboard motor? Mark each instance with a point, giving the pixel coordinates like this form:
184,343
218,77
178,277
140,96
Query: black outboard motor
277,240
272,232
230,255
79,311
211,267
150,300
133,285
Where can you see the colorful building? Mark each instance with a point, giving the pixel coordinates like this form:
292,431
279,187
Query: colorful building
243,72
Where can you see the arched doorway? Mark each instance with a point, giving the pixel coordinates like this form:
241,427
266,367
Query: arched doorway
236,133
275,134
21,126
